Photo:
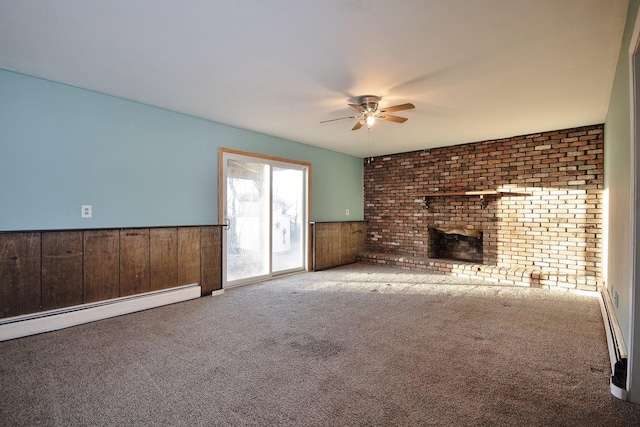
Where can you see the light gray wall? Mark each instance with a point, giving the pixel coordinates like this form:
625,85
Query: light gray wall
617,179
61,147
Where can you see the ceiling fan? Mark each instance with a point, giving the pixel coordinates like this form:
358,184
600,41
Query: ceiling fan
368,113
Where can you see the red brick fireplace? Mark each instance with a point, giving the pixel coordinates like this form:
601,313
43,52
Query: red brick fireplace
536,200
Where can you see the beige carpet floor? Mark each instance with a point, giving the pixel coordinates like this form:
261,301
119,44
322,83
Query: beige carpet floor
353,346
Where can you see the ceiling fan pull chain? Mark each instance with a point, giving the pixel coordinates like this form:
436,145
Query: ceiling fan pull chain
370,145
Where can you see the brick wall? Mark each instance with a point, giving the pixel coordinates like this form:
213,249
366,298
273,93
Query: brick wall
553,230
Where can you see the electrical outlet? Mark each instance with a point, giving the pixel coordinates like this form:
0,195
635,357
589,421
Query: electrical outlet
86,211
615,298
346,212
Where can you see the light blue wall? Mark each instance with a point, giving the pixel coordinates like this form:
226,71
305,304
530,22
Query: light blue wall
61,147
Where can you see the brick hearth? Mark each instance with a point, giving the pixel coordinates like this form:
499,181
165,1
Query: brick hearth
545,230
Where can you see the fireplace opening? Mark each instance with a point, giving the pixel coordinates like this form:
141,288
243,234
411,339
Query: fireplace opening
459,244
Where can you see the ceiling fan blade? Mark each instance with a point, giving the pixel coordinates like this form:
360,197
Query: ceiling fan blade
400,107
357,107
392,118
357,126
341,118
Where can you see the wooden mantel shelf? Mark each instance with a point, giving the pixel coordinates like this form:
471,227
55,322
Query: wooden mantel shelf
475,193
480,193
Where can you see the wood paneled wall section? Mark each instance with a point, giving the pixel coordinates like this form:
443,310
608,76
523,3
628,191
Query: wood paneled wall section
62,277
101,265
337,243
20,273
55,269
135,262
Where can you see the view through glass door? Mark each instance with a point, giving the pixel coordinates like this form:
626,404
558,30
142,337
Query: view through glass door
264,204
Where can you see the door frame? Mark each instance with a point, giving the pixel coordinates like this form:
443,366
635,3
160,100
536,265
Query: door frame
262,157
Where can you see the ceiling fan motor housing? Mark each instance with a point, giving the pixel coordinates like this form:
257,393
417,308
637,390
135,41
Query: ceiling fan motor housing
369,102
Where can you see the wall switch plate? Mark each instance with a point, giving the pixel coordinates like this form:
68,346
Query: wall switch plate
86,211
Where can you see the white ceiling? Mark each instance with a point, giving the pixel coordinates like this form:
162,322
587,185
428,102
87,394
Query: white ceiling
475,69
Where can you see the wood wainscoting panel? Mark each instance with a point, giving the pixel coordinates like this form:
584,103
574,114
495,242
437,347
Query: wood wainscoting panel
20,265
134,261
188,255
353,241
62,275
210,259
327,240
101,265
164,258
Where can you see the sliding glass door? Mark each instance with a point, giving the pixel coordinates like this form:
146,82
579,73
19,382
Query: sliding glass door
264,204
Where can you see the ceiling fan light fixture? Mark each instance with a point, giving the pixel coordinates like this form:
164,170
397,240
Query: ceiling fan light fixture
371,119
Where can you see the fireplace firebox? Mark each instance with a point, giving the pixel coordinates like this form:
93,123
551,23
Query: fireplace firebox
460,244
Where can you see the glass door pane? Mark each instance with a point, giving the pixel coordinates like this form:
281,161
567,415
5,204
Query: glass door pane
248,214
287,219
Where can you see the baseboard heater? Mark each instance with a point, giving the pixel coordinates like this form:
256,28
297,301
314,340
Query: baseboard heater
52,320
617,350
